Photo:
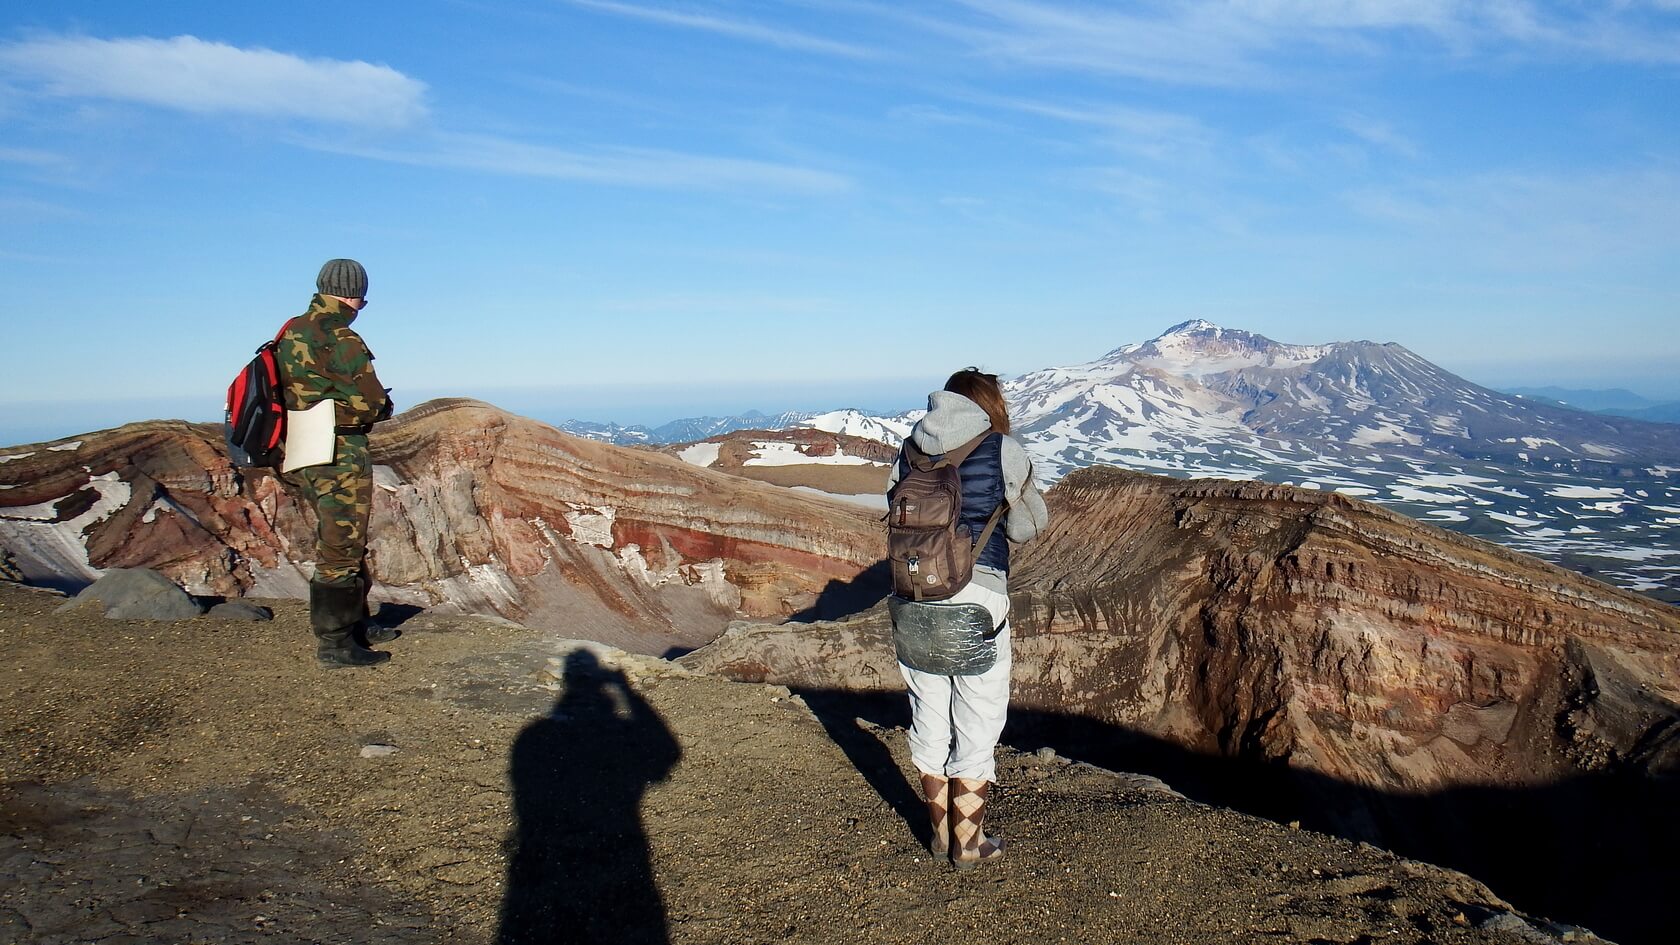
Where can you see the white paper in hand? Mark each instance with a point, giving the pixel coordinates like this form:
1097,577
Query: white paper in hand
310,436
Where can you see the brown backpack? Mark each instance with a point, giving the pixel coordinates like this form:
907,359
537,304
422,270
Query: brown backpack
928,545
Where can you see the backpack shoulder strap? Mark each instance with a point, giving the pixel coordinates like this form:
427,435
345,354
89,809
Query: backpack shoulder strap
284,328
951,457
991,525
957,456
913,455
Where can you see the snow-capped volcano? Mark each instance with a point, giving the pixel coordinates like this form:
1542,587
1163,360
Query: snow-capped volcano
1199,348
1594,492
1216,401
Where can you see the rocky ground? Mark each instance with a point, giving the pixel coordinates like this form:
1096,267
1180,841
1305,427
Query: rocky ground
207,781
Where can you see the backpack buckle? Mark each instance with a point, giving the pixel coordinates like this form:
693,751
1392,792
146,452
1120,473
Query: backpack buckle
913,564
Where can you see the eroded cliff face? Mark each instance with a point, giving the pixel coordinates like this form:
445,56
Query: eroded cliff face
473,508
1315,657
1294,626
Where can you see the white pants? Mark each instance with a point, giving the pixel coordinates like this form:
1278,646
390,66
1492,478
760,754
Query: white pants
955,721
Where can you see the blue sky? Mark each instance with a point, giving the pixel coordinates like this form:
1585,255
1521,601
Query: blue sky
638,210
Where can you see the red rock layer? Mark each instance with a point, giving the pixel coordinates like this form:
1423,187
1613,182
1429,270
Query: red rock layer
474,506
1292,626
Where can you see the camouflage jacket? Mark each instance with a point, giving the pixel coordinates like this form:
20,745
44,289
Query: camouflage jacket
321,358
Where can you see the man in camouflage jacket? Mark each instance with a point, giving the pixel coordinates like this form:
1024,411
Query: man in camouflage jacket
321,358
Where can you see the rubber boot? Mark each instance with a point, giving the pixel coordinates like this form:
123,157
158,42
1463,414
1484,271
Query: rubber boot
369,631
937,792
334,612
969,844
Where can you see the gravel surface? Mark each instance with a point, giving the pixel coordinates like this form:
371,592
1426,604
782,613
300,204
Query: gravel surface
206,781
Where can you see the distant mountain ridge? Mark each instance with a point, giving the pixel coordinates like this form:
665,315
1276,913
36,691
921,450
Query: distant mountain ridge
1178,350
853,422
1658,413
685,430
1614,401
1600,494
1235,399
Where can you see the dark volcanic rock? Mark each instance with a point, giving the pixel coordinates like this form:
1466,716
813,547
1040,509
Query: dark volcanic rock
136,594
240,610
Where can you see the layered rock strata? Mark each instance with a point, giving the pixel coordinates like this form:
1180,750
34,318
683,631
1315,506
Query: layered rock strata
474,508
1315,656
1287,624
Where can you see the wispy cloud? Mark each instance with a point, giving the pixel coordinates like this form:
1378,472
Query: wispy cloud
934,115
1253,41
1148,132
1379,133
1537,221
33,157
749,30
195,75
1102,40
21,209
633,167
1145,194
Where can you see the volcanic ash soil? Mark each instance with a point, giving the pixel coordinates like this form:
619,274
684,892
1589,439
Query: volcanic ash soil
208,781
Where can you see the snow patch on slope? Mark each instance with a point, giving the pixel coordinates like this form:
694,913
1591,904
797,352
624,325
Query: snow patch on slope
888,430
775,453
50,551
869,500
700,454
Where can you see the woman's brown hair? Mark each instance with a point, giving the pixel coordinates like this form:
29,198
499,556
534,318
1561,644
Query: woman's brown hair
983,389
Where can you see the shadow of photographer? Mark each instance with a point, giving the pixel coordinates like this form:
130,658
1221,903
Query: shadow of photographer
578,864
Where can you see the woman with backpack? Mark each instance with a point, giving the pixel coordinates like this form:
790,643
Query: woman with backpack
958,706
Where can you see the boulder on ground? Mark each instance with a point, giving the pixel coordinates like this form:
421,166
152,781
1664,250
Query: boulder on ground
240,610
136,594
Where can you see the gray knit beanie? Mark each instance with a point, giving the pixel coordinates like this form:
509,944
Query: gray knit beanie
344,278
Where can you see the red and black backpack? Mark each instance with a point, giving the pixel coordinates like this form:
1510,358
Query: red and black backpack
255,422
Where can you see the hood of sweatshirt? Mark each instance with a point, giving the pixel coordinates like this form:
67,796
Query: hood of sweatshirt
951,421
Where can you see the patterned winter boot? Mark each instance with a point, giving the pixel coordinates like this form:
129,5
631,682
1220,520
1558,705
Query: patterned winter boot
971,846
937,791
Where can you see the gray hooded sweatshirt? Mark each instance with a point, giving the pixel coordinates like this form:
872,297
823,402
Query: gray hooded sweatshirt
953,420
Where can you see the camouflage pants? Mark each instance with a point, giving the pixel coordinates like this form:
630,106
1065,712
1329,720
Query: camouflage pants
342,496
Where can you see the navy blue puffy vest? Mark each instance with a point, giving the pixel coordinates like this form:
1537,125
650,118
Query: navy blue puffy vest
982,482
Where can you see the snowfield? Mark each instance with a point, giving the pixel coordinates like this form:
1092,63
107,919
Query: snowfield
869,500
1585,492
48,551
888,430
700,454
788,454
